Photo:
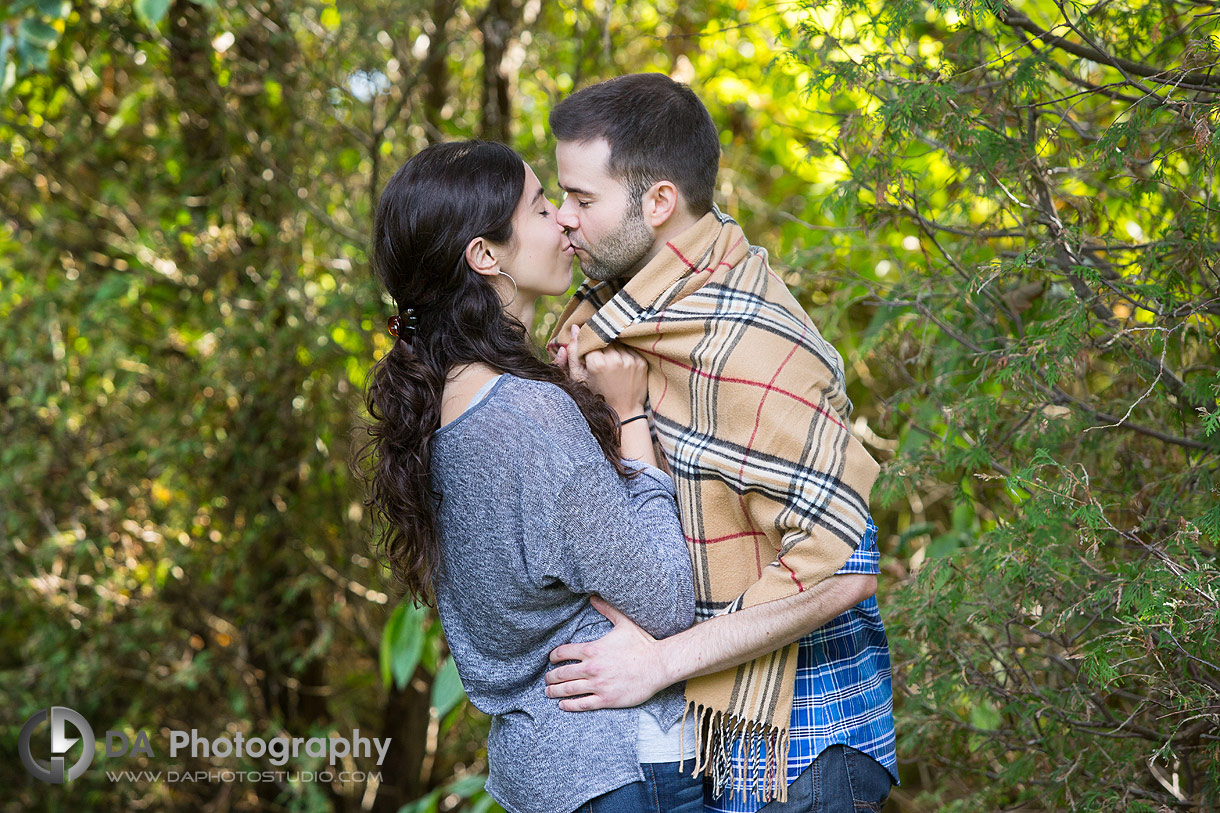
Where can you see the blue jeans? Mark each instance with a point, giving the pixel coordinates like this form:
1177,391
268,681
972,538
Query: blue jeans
664,790
840,780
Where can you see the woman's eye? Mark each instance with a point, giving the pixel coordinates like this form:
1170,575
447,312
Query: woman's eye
545,213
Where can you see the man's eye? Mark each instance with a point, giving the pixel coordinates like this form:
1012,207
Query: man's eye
584,204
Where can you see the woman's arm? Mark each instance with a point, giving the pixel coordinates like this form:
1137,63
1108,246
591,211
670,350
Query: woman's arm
622,541
592,530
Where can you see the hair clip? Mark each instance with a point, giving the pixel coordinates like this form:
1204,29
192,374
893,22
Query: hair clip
402,323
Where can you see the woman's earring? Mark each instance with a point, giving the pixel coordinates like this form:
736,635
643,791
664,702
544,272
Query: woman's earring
514,282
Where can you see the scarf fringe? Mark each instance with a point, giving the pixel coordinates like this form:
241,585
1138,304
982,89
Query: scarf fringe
764,770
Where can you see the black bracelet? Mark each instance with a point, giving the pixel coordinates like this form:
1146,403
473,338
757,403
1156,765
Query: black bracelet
629,420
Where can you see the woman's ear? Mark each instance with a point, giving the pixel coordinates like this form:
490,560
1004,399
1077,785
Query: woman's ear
659,203
481,256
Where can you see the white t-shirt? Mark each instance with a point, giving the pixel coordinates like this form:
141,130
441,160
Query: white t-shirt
655,745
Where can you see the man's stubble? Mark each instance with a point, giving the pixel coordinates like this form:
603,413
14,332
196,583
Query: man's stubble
620,252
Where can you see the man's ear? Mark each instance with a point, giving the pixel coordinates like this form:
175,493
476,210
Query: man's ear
483,257
660,202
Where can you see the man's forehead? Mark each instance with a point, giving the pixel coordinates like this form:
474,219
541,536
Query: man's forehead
583,163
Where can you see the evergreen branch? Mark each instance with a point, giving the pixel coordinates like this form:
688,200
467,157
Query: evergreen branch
1148,392
1190,80
1097,414
1104,90
1068,260
1058,394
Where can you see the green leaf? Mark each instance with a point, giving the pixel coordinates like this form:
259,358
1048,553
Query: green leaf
482,803
963,516
447,689
56,9
152,12
7,43
38,33
944,545
1209,523
876,326
985,716
467,786
402,642
32,55
1211,422
425,804
388,636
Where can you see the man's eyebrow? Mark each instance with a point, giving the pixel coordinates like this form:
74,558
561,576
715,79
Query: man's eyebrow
571,190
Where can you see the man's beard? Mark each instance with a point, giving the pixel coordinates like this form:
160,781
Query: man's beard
619,252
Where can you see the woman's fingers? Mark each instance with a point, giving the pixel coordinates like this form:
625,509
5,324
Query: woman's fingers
576,365
618,374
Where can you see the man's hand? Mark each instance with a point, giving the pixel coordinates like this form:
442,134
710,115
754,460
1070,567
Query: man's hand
628,665
620,670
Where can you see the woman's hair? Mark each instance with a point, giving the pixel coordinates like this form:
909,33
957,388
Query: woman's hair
437,202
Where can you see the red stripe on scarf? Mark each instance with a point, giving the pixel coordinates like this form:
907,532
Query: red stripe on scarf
661,364
833,417
697,541
741,473
685,261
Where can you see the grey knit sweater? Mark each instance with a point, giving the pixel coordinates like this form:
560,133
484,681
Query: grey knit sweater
533,519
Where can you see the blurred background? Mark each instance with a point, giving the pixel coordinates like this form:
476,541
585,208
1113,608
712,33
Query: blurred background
1004,216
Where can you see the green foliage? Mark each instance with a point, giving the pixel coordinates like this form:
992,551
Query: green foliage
469,787
447,689
402,643
151,12
189,319
1042,295
1011,244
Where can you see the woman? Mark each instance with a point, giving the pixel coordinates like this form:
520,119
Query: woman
502,488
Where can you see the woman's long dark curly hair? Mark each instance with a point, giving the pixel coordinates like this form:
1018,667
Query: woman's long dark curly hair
438,201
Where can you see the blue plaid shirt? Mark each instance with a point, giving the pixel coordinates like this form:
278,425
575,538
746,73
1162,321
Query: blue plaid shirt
843,691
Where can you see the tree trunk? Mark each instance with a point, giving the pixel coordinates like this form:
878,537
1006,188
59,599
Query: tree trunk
436,68
497,27
406,723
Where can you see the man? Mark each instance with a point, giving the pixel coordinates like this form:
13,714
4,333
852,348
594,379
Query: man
748,405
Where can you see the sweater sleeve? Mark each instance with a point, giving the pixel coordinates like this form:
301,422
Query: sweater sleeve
621,540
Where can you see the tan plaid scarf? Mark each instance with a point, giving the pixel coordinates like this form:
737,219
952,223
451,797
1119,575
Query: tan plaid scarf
750,410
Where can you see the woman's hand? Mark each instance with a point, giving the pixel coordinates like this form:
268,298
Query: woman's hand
617,374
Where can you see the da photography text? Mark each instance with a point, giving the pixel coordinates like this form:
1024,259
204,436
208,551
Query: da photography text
278,750
70,756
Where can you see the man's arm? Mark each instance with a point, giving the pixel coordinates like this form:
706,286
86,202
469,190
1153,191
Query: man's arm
628,666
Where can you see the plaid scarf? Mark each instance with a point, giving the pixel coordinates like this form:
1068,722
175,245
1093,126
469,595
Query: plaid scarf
750,409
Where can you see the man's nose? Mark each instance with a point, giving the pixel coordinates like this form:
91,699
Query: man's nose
567,216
